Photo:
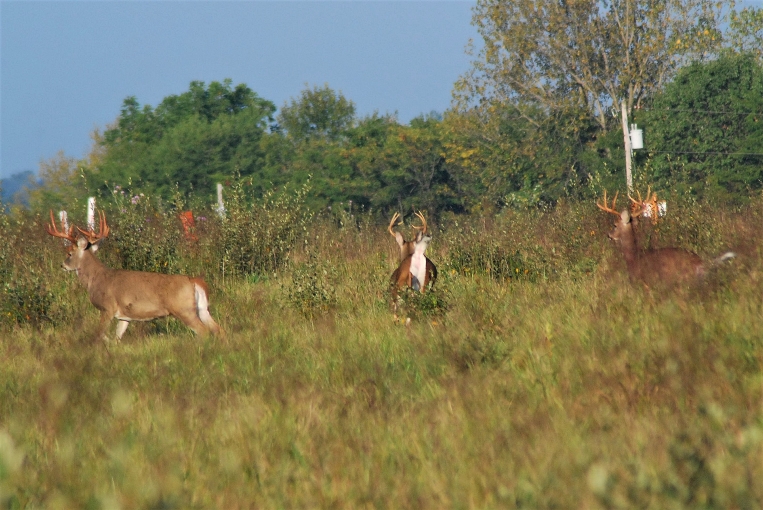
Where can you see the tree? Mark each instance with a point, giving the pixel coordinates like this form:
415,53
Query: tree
60,184
745,34
706,128
190,140
319,112
585,54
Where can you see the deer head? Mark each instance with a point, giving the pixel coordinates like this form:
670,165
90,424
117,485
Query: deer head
645,207
624,224
88,240
407,247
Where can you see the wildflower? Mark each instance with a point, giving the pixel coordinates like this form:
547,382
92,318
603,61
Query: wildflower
135,199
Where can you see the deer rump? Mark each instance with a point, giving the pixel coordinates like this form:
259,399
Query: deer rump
666,265
672,265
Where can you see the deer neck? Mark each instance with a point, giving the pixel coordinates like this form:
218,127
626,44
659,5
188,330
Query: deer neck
628,245
90,270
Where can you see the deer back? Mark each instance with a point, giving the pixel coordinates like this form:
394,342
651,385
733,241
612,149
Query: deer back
666,265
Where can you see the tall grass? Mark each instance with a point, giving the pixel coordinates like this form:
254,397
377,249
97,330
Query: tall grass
545,379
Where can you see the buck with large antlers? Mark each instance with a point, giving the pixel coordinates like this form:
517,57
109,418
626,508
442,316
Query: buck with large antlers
406,247
415,271
133,295
665,265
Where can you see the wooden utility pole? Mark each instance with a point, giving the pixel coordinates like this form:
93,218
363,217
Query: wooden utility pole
627,140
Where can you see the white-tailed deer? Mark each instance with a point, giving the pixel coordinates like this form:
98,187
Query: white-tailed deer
415,271
133,295
665,265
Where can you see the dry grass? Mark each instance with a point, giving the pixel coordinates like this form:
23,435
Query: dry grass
564,388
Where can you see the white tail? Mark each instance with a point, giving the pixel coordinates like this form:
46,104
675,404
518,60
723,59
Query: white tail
133,295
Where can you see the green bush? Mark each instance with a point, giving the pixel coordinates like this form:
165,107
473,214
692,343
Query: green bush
312,290
256,237
145,234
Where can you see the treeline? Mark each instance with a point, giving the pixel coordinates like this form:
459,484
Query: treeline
517,136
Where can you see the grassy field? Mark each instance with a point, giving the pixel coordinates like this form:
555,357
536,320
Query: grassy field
535,376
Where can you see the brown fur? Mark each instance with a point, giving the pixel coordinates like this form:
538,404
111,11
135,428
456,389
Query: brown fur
136,295
401,277
664,266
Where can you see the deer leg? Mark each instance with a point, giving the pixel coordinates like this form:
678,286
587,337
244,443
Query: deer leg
121,327
192,320
103,325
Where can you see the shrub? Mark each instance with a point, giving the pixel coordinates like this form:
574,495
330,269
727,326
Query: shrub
312,291
257,237
145,235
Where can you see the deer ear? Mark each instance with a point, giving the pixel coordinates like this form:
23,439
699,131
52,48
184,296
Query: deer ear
94,246
82,243
625,216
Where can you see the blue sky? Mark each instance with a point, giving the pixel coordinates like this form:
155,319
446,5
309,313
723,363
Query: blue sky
66,67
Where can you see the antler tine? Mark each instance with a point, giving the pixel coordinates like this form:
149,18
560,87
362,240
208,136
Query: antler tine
103,230
423,226
53,230
103,226
606,207
392,224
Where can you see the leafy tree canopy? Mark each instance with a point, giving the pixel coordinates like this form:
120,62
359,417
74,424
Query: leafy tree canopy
319,112
706,128
190,140
587,54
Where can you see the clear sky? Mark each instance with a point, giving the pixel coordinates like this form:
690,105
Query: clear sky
66,66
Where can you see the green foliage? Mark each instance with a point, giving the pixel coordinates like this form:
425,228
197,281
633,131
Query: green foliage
28,291
312,290
257,236
319,112
745,34
432,304
624,397
576,390
145,234
703,124
584,55
190,141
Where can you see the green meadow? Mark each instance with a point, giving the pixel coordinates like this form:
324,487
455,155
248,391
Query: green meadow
534,375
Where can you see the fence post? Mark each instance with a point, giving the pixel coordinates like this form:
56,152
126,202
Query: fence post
91,213
220,205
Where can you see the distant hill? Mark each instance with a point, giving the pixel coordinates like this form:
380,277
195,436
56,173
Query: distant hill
13,188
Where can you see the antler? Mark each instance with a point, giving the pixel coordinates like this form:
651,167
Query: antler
52,230
647,207
423,226
103,230
392,224
606,207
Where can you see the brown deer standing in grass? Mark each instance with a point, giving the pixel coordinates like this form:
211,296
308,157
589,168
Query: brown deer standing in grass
415,271
133,295
665,265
